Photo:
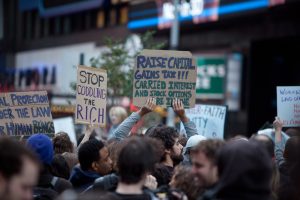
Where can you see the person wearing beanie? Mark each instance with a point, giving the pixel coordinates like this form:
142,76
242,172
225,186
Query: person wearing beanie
42,145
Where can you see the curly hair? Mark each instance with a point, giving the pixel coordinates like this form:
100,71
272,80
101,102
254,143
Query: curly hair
62,143
166,134
185,180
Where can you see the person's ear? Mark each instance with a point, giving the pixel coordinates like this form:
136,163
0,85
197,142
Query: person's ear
95,166
168,151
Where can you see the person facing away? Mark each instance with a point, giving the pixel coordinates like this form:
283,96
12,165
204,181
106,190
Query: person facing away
244,170
42,145
94,162
135,162
19,170
288,161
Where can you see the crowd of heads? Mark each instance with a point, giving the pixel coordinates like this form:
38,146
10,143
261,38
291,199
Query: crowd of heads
161,164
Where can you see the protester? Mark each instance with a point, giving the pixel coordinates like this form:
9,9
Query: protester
289,164
60,167
19,169
124,128
43,147
191,143
117,115
71,159
135,162
62,143
204,157
185,180
173,153
94,162
268,144
244,170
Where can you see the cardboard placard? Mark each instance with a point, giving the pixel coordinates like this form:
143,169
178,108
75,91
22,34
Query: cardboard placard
209,120
91,95
288,105
164,75
25,113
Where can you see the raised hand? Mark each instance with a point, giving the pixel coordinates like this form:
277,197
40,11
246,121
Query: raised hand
278,124
179,110
149,106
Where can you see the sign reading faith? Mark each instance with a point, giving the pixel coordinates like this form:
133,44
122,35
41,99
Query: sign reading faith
25,113
209,120
288,105
164,75
91,96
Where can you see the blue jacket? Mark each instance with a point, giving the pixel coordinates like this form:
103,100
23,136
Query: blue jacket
82,179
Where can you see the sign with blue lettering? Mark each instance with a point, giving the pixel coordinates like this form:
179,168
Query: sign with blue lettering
164,75
288,105
91,96
209,120
25,113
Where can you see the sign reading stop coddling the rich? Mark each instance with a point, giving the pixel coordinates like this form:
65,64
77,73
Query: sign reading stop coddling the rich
91,95
164,75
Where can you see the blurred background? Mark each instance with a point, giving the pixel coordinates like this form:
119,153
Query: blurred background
243,48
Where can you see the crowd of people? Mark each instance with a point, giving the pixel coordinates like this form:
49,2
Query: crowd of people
160,164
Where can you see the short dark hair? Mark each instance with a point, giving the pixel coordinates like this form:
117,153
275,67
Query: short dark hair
135,159
89,152
166,134
292,150
60,167
62,143
12,154
209,147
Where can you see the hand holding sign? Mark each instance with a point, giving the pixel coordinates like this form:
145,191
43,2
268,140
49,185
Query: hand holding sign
149,106
179,110
278,124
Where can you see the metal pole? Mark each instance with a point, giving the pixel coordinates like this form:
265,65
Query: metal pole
174,34
174,37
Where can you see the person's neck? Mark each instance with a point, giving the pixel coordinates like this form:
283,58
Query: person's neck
168,161
124,188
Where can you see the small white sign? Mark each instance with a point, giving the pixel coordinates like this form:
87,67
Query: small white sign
209,120
288,105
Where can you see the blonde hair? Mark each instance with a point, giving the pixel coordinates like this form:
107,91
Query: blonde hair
118,111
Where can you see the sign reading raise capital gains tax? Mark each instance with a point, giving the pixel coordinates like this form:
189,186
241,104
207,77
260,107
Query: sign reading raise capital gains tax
164,75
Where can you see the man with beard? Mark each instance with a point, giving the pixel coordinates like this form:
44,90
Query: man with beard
173,153
204,157
19,169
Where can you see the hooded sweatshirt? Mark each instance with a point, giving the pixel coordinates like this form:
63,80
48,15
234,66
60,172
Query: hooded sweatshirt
245,172
82,179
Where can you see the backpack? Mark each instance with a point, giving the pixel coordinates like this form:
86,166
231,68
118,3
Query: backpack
46,193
